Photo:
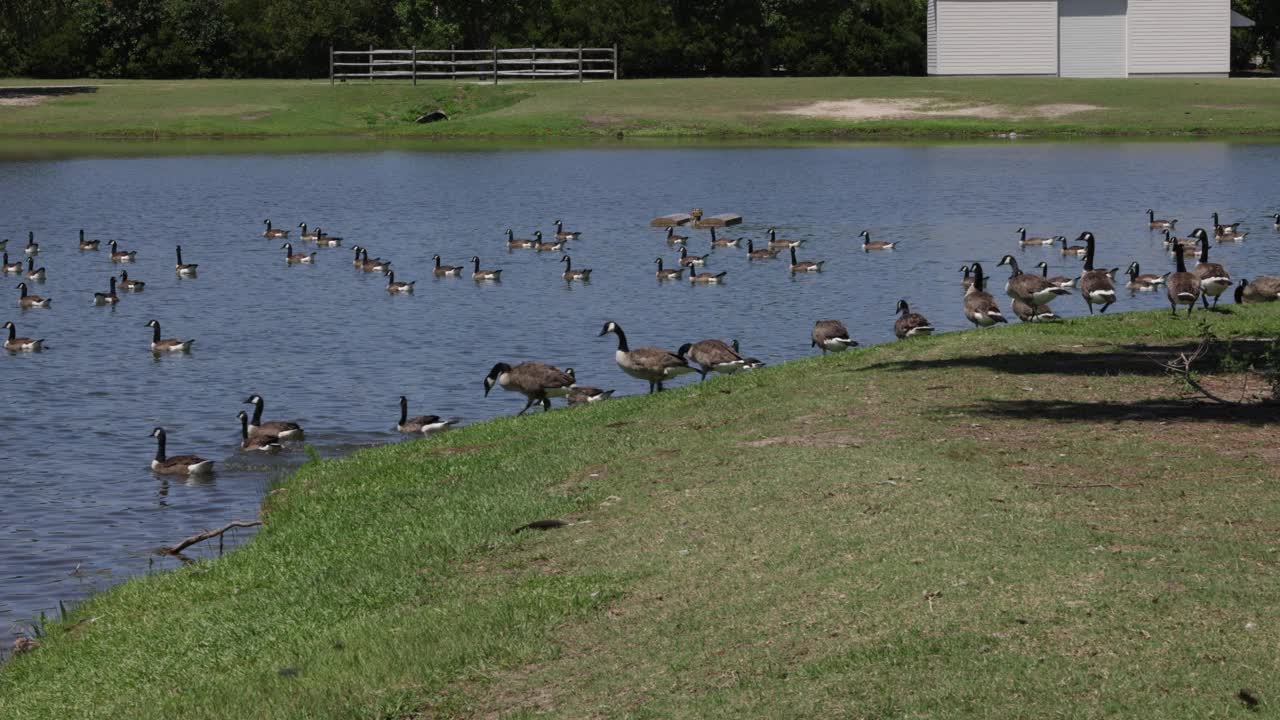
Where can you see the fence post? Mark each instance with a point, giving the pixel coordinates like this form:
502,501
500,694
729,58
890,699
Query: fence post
371,64
579,63
331,64
495,65
533,61
415,65
453,62
616,61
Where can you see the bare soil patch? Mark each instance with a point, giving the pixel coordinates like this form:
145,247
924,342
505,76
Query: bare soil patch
22,101
825,440
866,109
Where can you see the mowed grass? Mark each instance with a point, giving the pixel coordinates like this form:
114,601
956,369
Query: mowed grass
713,107
1032,521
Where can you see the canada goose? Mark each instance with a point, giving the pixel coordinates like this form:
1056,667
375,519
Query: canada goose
979,307
402,288
562,234
184,269
1227,230
11,268
869,244
541,246
356,261
1031,289
515,243
289,256
281,429
1155,224
1072,250
1276,218
109,297
667,274
31,301
261,443
712,356
910,324
537,381
774,242
967,281
480,275
706,278
179,464
805,266
33,247
1182,287
1025,241
1032,313
1096,286
88,244
1214,279
831,336
1062,281
583,394
375,265
34,273
754,254
4,244
651,364
168,344
445,270
121,256
327,240
421,423
571,274
21,344
717,242
309,236
1264,288
271,232
131,285
687,260
674,239
749,363
1170,240
1140,282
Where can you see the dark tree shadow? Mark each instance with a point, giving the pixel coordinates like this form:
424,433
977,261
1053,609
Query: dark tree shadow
1110,411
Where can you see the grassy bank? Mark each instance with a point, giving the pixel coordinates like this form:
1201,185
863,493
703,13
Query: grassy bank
1026,522
723,107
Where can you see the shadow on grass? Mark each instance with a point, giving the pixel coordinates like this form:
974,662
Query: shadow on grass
1093,412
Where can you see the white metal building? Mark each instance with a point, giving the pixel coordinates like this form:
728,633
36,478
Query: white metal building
1080,38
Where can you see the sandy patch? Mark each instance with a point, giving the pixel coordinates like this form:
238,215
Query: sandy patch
21,101
864,109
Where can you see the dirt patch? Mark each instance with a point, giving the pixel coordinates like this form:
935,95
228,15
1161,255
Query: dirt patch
825,440
21,101
866,109
250,117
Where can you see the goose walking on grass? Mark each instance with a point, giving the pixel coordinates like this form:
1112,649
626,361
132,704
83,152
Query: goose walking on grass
1062,281
398,288
1214,279
1158,224
804,266
831,336
275,233
179,464
34,273
1182,287
260,443
784,243
282,429
584,394
910,324
88,244
712,356
130,285
562,234
540,246
184,269
653,365
1140,282
719,242
763,254
1027,312
1097,287
291,258
1263,288
1031,289
32,247
166,345
868,244
423,424
21,344
107,298
1025,241
515,243
482,275
570,274
980,307
537,381
121,256
10,268
31,301
667,273
674,239
445,270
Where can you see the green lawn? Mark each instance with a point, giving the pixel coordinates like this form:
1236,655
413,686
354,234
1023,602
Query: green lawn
721,107
1032,521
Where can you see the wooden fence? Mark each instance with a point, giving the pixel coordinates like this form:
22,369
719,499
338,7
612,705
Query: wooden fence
491,64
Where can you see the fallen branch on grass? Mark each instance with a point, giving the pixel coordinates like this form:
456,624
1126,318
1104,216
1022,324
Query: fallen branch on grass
176,550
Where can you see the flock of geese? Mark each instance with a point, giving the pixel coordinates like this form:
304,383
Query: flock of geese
539,382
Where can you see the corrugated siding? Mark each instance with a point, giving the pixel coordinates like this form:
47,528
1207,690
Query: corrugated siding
997,37
1093,38
932,62
1179,36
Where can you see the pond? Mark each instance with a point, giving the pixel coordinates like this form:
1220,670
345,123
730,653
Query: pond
326,346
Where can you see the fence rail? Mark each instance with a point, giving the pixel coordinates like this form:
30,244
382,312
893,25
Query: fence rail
492,63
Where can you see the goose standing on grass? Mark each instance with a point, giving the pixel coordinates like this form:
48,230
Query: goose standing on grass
276,233
21,344
515,243
980,307
831,336
421,423
1096,286
584,394
34,273
445,270
869,244
1071,250
667,274
540,246
88,244
537,381
712,356
805,266
1214,279
281,429
719,242
33,247
308,236
1226,231
674,239
910,324
562,234
121,256
11,268
1062,281
571,274
398,288
783,244
482,275
375,265
653,365
749,363
1032,313
1182,287
261,443
1158,224
1025,241
130,285
1031,289
1264,288
107,298
167,345
754,254
687,260
706,278
184,269
179,464
1139,281
292,258
31,301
